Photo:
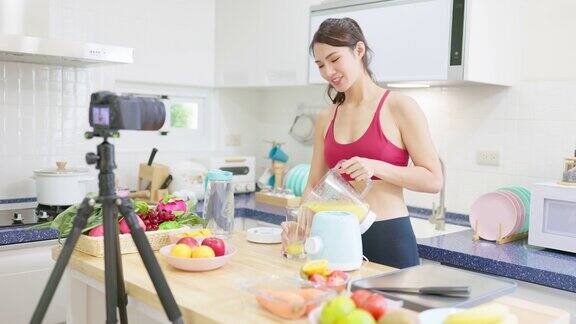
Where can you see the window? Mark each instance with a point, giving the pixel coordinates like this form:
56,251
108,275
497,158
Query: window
191,120
184,115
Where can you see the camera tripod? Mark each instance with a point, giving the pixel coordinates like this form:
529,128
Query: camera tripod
114,280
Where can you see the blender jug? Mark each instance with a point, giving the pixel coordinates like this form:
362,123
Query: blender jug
334,193
219,203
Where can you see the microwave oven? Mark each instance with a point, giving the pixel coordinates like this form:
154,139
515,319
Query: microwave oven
242,168
553,217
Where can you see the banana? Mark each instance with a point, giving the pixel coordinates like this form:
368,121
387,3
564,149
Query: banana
484,314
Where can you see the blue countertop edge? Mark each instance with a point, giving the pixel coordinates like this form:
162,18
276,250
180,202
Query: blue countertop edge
448,250
498,268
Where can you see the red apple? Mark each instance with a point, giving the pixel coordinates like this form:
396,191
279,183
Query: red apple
190,241
125,229
375,305
360,296
216,244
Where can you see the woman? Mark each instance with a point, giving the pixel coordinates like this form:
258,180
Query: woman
376,132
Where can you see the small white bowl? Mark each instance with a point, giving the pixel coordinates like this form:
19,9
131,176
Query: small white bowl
197,264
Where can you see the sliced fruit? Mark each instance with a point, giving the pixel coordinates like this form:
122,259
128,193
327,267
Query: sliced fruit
315,267
311,296
285,304
484,314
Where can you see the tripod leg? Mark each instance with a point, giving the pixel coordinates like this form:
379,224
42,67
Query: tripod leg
110,213
122,297
150,262
56,275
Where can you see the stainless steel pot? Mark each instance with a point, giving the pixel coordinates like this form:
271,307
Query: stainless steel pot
61,186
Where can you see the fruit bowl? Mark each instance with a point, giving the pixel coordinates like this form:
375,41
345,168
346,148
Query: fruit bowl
197,264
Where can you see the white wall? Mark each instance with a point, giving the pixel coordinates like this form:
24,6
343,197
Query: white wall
43,109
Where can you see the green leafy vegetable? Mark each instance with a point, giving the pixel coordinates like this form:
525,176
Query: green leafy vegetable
64,221
169,225
191,219
141,207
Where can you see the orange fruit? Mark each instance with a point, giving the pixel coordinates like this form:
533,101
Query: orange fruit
203,251
181,251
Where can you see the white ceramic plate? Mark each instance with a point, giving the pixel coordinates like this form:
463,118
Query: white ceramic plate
265,235
437,315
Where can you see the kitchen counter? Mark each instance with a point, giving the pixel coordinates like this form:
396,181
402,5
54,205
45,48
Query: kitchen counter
214,296
515,260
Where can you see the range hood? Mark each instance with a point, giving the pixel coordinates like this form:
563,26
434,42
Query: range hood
40,50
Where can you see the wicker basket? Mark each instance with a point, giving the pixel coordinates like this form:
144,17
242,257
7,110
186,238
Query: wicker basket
94,245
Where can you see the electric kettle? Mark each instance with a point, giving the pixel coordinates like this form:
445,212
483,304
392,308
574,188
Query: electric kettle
335,236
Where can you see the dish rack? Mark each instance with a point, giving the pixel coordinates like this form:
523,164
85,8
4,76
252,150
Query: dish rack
501,239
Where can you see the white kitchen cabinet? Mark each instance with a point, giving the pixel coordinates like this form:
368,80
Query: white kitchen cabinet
24,272
268,46
434,41
173,40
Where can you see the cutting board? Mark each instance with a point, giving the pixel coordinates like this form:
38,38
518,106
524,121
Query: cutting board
483,288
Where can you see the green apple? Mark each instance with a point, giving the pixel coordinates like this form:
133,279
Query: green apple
357,316
337,308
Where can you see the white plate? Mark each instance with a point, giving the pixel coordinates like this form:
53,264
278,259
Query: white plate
437,315
266,235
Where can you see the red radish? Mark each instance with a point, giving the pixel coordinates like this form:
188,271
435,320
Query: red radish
125,229
97,231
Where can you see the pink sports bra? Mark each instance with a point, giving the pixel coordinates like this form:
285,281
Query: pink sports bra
373,144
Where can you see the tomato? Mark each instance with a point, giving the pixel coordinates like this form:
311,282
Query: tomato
360,296
375,305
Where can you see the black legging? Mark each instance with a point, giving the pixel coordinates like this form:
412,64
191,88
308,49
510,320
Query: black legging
392,243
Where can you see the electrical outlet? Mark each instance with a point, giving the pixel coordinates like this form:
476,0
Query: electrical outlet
233,140
488,158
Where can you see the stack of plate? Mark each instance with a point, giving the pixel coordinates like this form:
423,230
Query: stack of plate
297,178
501,213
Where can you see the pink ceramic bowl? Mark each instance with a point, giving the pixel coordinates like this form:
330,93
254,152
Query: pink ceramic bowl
197,264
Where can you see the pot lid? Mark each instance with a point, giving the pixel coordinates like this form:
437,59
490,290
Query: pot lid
61,170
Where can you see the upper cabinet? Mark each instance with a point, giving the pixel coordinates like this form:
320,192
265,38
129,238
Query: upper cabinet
173,41
262,43
432,41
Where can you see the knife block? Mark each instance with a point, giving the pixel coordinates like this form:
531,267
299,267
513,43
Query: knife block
154,174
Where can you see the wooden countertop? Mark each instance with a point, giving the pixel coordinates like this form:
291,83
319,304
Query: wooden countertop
214,297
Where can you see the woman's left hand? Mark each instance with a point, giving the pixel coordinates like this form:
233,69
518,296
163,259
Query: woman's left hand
358,168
